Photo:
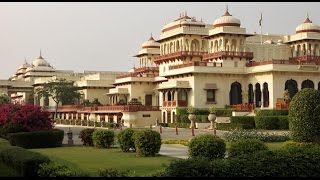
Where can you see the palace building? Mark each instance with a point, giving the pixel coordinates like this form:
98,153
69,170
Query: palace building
191,64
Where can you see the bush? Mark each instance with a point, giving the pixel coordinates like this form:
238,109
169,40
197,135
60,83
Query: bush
11,128
246,146
304,115
271,122
207,146
111,172
103,138
24,161
37,139
192,167
235,135
55,170
228,126
273,112
147,142
246,121
31,117
86,136
224,112
125,140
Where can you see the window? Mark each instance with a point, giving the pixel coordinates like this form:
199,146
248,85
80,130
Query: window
211,96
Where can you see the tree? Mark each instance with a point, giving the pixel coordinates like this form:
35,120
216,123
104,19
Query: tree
4,99
304,116
59,90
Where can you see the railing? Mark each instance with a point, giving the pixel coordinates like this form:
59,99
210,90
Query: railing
126,108
223,54
177,55
205,64
272,61
141,72
307,59
175,104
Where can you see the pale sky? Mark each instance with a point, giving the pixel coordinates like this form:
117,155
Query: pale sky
104,36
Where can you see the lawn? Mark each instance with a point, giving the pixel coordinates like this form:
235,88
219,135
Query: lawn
90,159
6,171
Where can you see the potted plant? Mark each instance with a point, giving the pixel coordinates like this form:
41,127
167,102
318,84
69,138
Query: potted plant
212,116
192,116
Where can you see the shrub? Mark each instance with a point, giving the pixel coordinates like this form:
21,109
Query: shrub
11,128
31,117
304,115
283,122
224,112
271,122
86,136
228,126
103,138
54,170
246,146
235,135
37,139
207,146
125,140
147,142
24,161
273,112
192,167
246,121
112,172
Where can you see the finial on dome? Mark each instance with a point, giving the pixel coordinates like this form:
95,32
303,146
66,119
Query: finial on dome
227,11
151,37
307,20
40,57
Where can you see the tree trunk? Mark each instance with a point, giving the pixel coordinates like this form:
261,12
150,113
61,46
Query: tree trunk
56,111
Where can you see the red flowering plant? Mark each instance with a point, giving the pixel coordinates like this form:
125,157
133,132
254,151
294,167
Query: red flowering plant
30,117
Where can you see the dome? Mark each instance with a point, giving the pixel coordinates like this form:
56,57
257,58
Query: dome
183,21
226,20
40,62
307,26
151,43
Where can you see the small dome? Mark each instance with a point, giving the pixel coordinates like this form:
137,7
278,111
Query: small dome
40,62
182,21
307,26
226,20
151,43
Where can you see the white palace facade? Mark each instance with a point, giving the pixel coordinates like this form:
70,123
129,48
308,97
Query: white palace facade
191,64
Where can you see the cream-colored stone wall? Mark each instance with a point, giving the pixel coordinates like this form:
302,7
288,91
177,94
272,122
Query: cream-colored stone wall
141,118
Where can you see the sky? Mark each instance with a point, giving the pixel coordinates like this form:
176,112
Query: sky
104,36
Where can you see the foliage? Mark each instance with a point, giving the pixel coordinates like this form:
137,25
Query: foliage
24,161
286,96
191,110
212,109
112,172
207,146
147,142
86,136
95,102
272,122
125,139
59,90
272,112
191,167
134,101
103,138
246,121
175,141
304,116
11,128
32,118
53,169
4,99
245,146
37,139
235,135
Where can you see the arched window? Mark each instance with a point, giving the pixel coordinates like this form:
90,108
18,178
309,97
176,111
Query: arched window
265,95
258,95
307,84
250,94
292,87
235,93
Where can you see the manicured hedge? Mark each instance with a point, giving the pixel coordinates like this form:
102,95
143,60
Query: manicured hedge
24,161
229,126
272,112
272,122
245,146
246,121
37,139
103,138
147,142
86,136
125,140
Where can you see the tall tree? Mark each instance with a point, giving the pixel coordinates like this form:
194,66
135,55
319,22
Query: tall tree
4,99
59,90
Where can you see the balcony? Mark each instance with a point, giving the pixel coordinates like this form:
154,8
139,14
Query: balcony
306,59
141,72
176,55
273,61
241,107
181,103
231,54
208,64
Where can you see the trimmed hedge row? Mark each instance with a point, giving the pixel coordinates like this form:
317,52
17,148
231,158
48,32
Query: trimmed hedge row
272,122
246,121
272,112
37,139
24,161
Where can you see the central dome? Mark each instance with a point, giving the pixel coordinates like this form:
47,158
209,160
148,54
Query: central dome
40,62
226,20
307,26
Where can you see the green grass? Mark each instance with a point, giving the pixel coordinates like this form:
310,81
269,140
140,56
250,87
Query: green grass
6,171
90,159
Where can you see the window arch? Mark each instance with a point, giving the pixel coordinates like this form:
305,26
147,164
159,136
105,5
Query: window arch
307,84
265,95
258,95
235,93
292,86
250,94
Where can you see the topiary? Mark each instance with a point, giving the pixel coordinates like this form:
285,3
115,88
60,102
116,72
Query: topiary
304,116
246,146
86,136
103,138
125,140
207,146
147,142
